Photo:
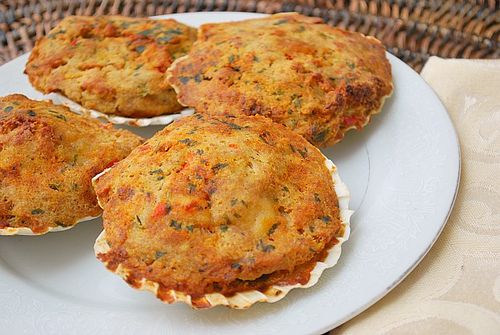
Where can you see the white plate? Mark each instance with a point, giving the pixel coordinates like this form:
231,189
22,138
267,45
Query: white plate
402,170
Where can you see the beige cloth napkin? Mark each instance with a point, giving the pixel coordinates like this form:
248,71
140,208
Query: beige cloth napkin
456,288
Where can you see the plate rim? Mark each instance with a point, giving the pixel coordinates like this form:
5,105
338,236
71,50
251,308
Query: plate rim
456,141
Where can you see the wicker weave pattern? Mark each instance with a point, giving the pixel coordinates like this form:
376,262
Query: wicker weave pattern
412,30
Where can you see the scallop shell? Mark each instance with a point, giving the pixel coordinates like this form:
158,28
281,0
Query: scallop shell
115,119
9,231
246,299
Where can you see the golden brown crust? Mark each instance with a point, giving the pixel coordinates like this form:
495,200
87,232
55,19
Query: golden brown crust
48,156
112,64
219,204
317,80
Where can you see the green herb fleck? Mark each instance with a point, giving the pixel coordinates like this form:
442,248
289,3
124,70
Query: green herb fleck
322,34
184,80
190,228
326,219
351,65
176,225
234,201
174,31
265,247
279,91
212,189
140,48
319,136
125,25
219,166
316,197
280,22
191,187
198,78
54,34
284,188
297,102
235,265
199,152
187,141
232,125
224,228
146,32
73,161
62,117
231,58
8,109
139,221
303,153
265,137
55,186
164,39
272,229
160,254
37,211
157,171
31,113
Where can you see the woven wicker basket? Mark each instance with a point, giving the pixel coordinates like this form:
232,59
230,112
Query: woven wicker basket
411,30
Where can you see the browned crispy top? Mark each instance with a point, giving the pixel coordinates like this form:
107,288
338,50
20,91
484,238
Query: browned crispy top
219,204
48,156
113,64
317,80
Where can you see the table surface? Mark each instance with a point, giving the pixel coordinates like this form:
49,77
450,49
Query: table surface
411,30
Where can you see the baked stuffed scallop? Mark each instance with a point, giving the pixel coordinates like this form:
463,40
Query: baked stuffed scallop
222,211
318,80
48,156
111,64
